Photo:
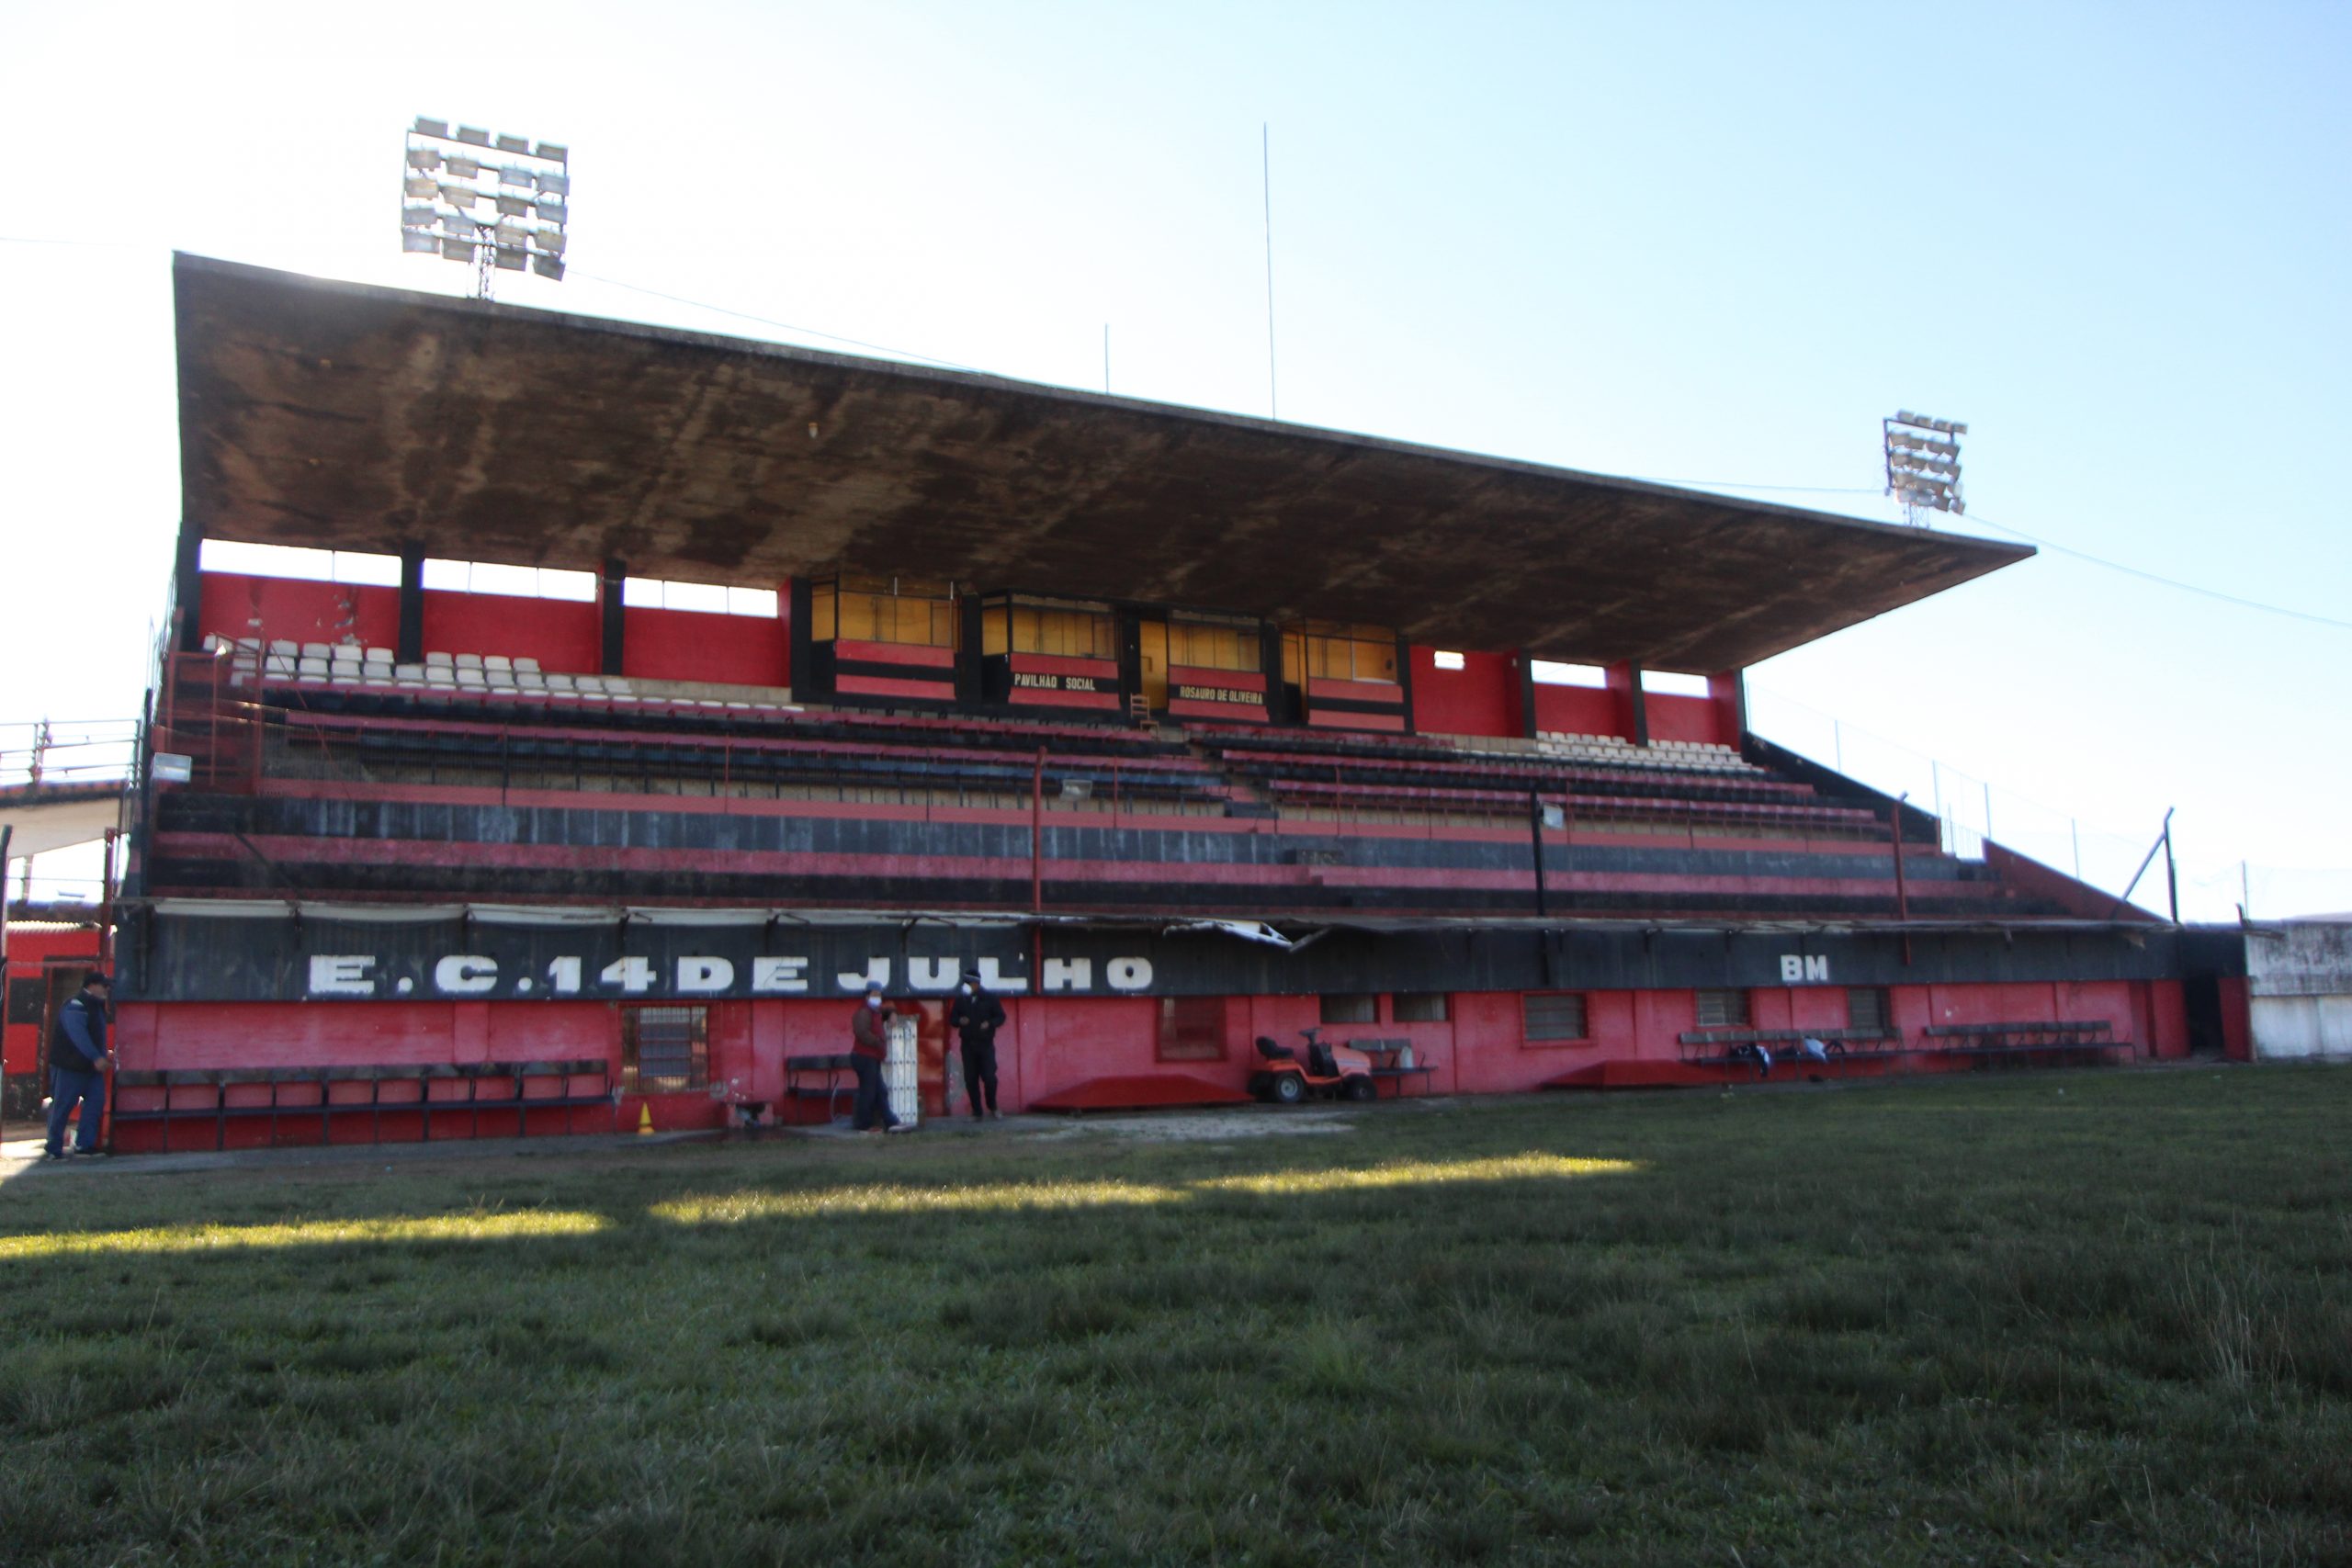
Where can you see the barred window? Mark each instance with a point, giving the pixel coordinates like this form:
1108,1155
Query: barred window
1722,1009
1866,1007
1349,1009
1424,1007
664,1050
1191,1029
1553,1015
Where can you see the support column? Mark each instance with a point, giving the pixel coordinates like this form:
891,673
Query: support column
1269,660
1404,680
1528,727
1633,712
409,645
609,595
1728,692
801,675
188,589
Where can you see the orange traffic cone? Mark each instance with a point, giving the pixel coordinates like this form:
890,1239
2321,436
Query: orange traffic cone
645,1121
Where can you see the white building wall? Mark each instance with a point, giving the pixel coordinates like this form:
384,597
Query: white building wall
2298,983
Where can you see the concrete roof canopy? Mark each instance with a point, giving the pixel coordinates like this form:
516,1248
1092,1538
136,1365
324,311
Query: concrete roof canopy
339,416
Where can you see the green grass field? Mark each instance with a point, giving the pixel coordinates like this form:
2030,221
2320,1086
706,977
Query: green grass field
2081,1317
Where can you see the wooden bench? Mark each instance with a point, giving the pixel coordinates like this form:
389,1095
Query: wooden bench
2047,1037
829,1071
311,1092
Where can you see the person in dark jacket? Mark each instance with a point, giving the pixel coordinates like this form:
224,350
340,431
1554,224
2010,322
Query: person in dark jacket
976,1016
869,1047
77,1067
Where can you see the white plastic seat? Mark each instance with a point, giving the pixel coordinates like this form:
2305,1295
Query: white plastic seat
496,661
440,675
441,659
290,649
469,660
523,663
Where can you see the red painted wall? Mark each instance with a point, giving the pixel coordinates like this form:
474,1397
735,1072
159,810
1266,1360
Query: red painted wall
1578,710
2238,1023
1050,1045
693,645
28,951
561,635
230,603
1686,718
1480,698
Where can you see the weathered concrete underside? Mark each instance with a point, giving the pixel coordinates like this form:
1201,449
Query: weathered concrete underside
333,415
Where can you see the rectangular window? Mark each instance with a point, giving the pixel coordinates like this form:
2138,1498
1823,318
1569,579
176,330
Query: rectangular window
1866,1007
1425,1006
664,1050
1349,1009
916,612
1445,661
1191,1029
1548,672
1339,652
1213,645
709,598
1666,683
1722,1009
1553,1016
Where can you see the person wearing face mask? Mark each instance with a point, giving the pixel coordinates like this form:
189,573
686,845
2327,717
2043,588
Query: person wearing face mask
869,1046
975,1017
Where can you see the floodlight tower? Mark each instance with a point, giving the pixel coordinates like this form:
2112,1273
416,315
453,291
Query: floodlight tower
449,175
1923,465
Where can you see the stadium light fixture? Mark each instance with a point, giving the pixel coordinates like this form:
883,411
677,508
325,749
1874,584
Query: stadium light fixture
448,173
1923,465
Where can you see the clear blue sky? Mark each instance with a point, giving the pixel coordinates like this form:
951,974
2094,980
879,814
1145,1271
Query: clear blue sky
1694,243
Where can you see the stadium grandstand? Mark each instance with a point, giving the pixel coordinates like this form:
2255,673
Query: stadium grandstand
684,684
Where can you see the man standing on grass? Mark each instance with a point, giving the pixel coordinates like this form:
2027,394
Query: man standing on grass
975,1017
869,1047
77,1068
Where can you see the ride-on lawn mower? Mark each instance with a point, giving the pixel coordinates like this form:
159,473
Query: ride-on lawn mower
1328,1071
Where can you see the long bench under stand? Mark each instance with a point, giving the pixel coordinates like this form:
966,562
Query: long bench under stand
1724,1047
1993,1043
512,1081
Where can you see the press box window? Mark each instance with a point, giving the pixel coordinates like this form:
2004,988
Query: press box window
664,1050
1866,1009
1722,1009
906,610
1213,645
1350,1009
1323,650
1553,1016
1191,1029
1029,626
1424,1007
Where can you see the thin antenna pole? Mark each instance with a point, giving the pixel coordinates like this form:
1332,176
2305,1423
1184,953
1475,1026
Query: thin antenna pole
1266,175
1106,357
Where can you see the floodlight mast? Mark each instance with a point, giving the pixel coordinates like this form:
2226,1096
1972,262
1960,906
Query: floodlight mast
447,174
1923,465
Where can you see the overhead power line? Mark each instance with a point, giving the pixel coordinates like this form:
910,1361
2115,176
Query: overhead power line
2166,581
